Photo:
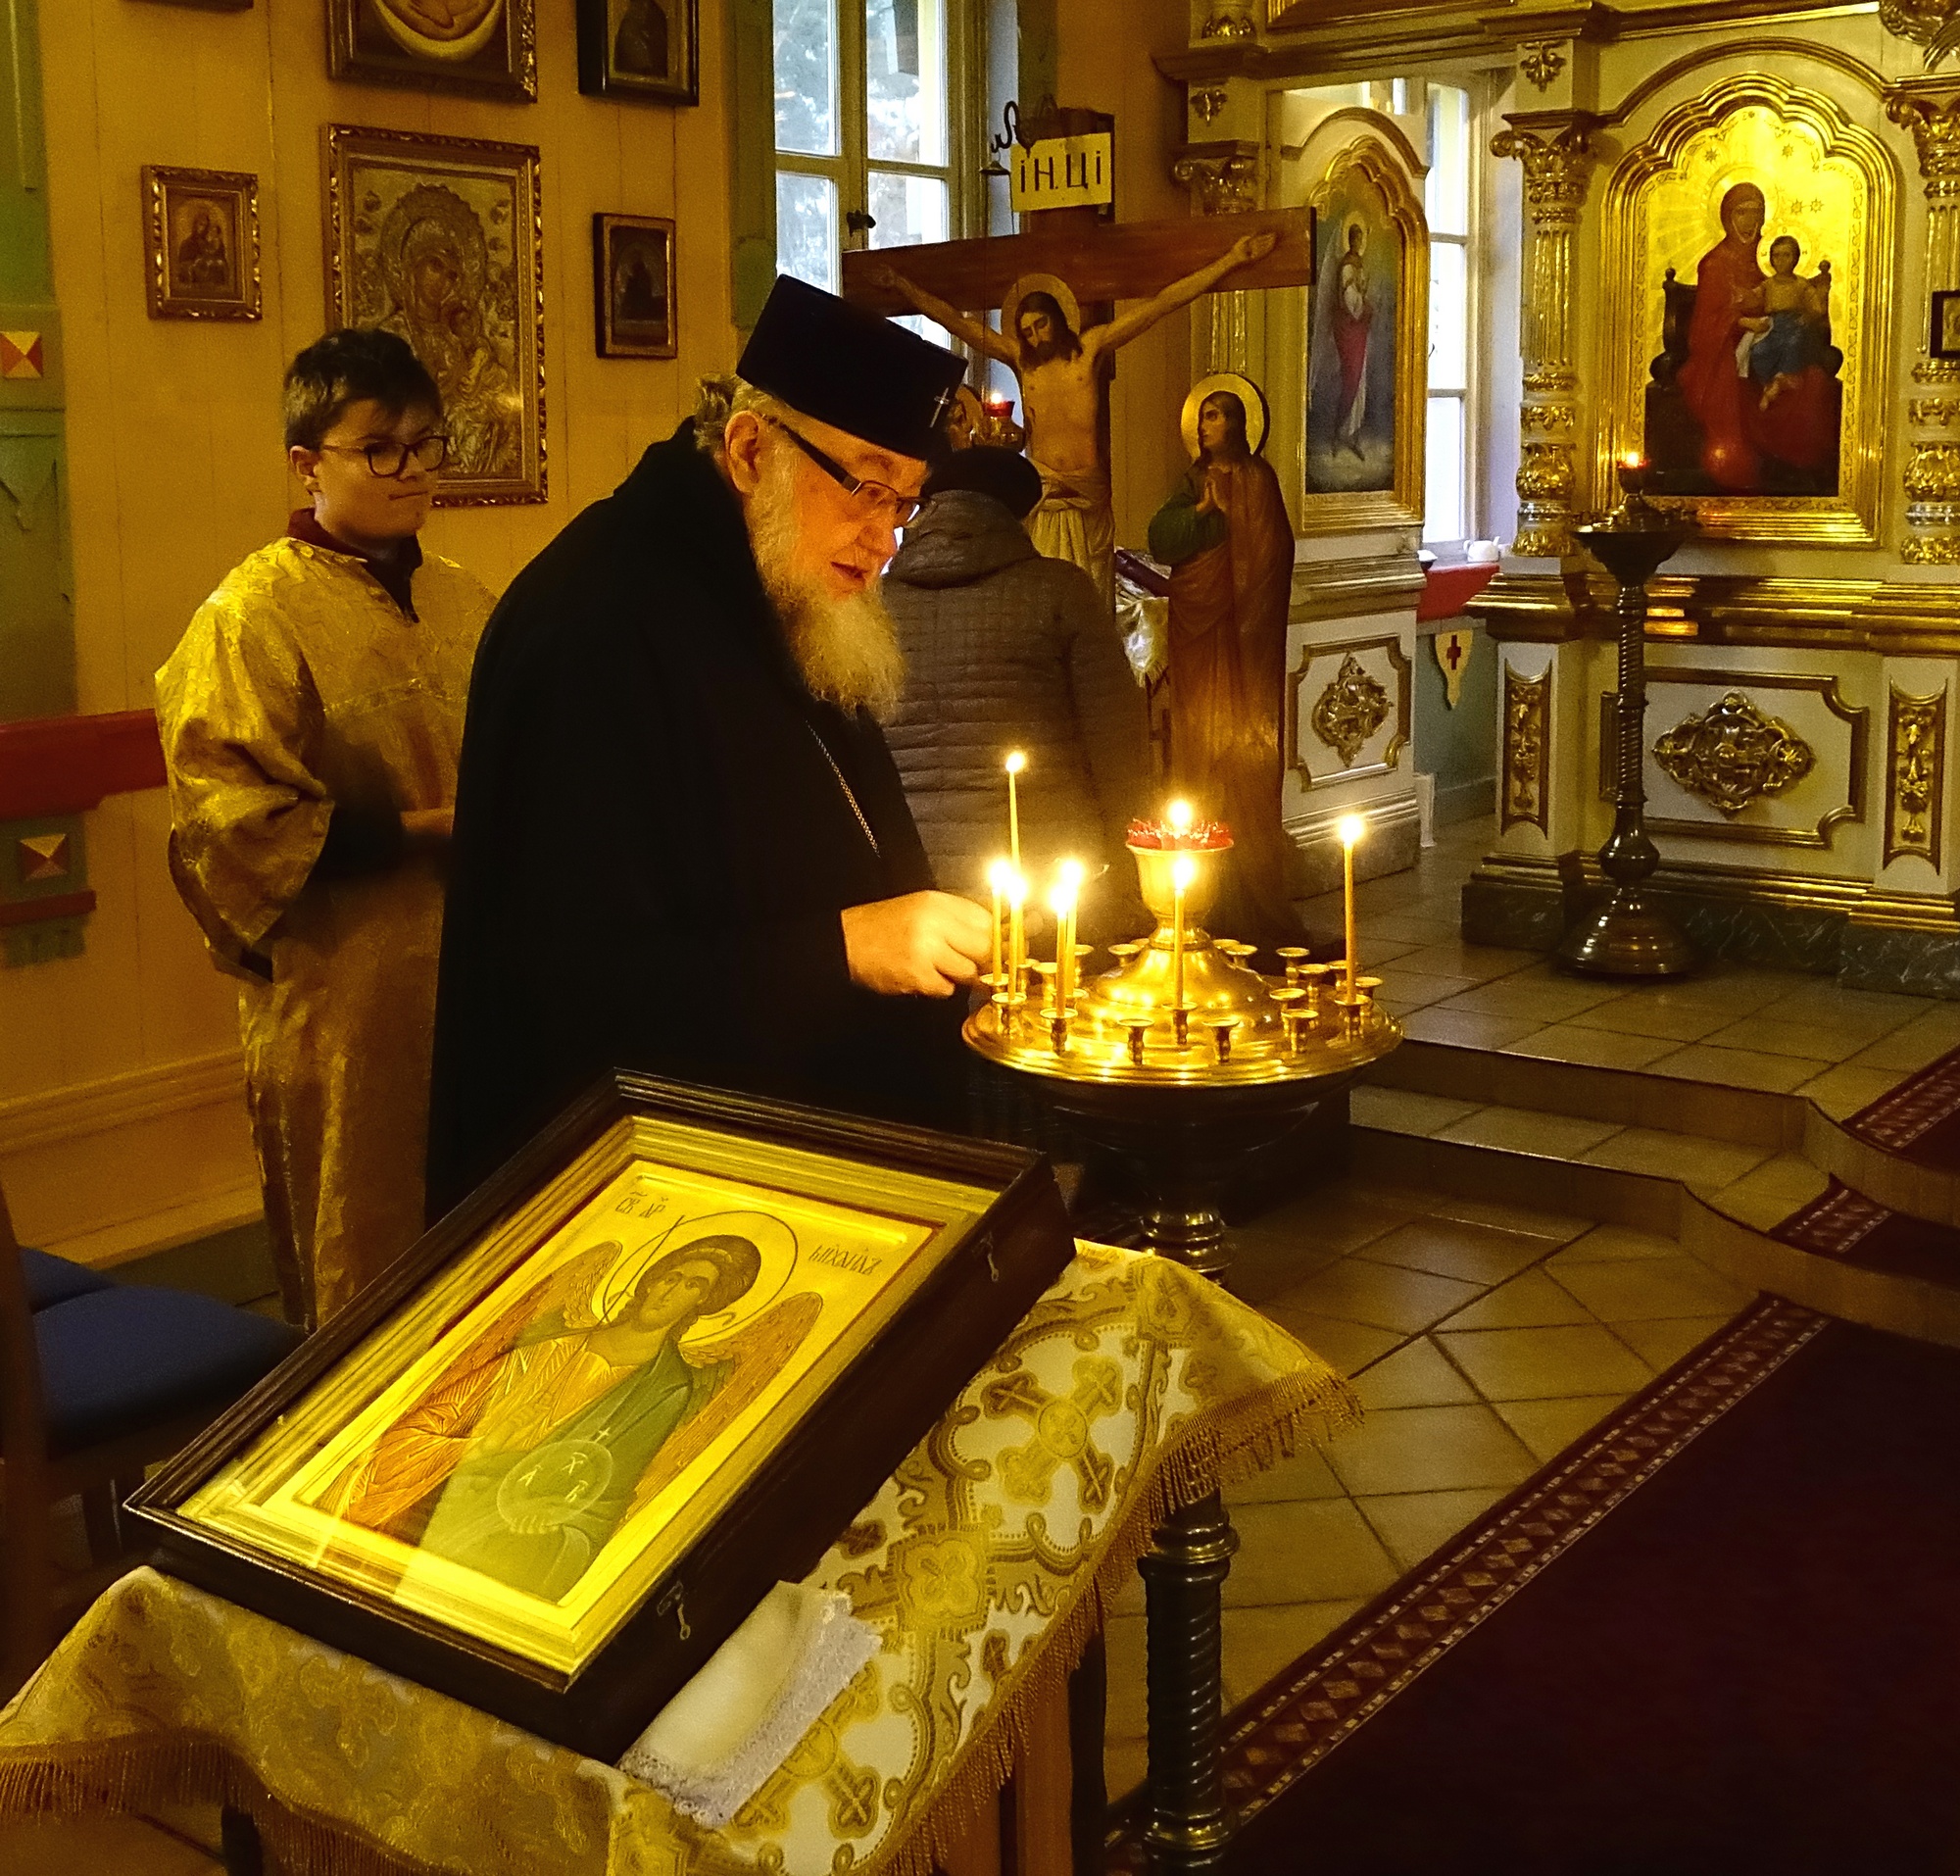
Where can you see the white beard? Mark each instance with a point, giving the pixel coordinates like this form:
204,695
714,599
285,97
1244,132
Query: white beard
847,649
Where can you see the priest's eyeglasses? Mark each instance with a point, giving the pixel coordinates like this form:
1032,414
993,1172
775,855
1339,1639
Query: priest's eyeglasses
392,459
881,498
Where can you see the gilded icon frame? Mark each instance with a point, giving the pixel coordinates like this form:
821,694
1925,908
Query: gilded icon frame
601,26
1371,164
612,329
1631,331
235,197
385,1491
483,201
369,41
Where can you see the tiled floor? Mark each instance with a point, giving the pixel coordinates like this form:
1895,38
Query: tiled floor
1484,1340
1732,1025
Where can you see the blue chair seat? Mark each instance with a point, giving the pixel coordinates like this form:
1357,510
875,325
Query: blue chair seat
129,1357
52,1279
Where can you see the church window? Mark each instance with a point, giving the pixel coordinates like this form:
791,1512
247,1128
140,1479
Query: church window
1450,203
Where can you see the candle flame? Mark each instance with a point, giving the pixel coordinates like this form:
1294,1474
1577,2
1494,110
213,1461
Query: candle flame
1018,888
1072,873
1351,828
1178,814
999,876
1017,761
1183,870
1632,459
1061,901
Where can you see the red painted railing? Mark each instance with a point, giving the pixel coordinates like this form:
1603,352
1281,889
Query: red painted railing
1448,589
67,764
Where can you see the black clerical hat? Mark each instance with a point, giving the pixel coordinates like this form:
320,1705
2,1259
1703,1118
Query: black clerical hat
848,367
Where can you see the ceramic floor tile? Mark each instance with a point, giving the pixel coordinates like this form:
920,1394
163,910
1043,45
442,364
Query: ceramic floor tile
1433,1449
1540,1000
1555,1226
1261,1643
1315,1550
1306,1475
1548,1427
1342,1219
1347,1346
1663,1343
1418,1374
1702,1165
1841,1092
1382,952
1776,1032
1838,1003
1404,928
1402,1111
1770,1194
1613,1244
1542,1365
1453,1248
1529,1302
1477,962
1727,1067
1381,1295
1647,1289
1604,1047
1636,1017
98,1847
1416,989
1466,1029
1556,1136
1413,1525
1915,1045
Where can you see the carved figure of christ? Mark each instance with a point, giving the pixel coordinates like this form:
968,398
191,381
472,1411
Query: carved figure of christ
1060,373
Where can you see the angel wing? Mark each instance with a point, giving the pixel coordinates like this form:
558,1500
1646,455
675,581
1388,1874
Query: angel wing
752,1356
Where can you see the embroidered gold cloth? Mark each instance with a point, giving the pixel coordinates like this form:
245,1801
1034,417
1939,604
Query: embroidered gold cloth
300,687
1131,1389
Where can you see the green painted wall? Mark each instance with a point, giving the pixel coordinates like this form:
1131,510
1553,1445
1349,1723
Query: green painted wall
37,588
1458,747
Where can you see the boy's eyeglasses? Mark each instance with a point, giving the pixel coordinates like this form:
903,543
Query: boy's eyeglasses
878,497
392,459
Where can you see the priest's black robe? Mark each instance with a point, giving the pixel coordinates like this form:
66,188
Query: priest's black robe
657,827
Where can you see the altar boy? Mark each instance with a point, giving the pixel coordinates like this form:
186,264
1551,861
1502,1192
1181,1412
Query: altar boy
310,719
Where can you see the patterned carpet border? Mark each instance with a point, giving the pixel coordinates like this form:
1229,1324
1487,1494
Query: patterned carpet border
1289,1727
1901,1116
1835,1222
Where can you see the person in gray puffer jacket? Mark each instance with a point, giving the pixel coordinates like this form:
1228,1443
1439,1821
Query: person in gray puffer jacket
1008,650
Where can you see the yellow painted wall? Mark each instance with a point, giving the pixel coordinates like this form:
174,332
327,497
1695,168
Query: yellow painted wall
120,1120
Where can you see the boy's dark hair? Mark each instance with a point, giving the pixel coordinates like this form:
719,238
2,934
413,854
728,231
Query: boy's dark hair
346,367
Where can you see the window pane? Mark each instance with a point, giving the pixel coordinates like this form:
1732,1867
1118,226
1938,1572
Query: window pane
907,209
1443,517
905,80
1448,316
1446,189
806,76
807,228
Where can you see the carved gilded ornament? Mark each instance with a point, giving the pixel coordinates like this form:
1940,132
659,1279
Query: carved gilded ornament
1557,164
1230,19
1931,24
1541,61
1552,418
1208,102
1935,123
1934,412
1221,183
1350,710
1527,749
1731,755
1915,768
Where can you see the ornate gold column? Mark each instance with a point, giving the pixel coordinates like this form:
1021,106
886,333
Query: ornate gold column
1929,108
1555,149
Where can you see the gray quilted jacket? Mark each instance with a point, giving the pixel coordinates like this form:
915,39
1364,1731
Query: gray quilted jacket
1007,650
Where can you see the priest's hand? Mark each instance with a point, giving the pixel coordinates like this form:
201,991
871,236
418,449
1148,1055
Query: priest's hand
926,944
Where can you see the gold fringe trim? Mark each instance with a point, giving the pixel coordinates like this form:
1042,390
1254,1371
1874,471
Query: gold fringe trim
1217,1447
149,1771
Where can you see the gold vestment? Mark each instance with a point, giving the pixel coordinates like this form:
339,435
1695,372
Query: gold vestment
300,687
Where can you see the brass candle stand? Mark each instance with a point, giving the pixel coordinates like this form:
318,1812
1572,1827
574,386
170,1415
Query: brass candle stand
1183,1058
1629,936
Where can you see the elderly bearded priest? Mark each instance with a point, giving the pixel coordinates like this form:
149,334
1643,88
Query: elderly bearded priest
681,843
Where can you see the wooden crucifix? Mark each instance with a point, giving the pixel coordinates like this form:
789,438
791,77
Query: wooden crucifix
1041,280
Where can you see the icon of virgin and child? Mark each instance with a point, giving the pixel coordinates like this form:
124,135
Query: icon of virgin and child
1759,392
543,1437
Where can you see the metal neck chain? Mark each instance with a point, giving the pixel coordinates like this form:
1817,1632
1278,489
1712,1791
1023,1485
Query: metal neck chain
848,794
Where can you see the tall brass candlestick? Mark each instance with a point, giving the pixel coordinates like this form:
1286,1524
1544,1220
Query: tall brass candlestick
1350,829
1015,764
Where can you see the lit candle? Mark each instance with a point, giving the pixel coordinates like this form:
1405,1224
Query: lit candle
1178,817
1184,869
1350,829
1017,936
998,875
1067,887
1015,764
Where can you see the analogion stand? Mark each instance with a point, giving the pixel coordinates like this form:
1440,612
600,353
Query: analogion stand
1181,1060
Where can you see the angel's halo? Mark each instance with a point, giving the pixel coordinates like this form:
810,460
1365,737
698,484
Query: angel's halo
773,1240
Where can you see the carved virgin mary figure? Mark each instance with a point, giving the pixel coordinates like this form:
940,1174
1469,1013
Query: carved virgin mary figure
1225,535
